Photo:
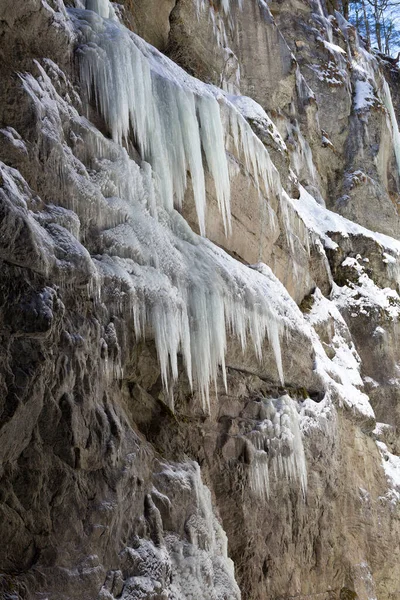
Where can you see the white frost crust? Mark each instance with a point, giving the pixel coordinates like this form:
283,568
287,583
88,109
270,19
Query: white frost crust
323,221
365,296
200,563
341,374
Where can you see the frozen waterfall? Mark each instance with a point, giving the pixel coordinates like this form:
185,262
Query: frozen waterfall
387,97
278,446
186,290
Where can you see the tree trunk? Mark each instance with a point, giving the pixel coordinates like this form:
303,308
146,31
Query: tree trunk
367,32
378,28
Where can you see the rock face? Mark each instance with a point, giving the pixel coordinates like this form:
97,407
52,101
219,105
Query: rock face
185,416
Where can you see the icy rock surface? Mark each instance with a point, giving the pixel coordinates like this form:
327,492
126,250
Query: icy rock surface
190,416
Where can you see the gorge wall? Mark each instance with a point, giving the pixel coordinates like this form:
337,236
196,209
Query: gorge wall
200,266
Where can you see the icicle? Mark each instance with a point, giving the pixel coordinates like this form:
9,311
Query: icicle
302,158
212,137
142,90
101,7
174,116
387,96
278,445
326,21
303,89
259,475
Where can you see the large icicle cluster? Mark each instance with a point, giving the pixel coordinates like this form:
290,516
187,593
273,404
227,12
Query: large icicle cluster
189,293
178,287
278,445
172,120
174,117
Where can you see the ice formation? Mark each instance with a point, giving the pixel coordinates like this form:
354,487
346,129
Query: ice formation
371,86
324,222
325,21
301,157
174,117
278,446
200,564
340,371
393,121
179,288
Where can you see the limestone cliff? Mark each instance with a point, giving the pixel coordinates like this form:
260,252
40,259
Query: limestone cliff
200,310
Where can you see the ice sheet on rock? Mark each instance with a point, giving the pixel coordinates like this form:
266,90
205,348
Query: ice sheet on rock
14,138
324,20
338,54
295,228
301,157
219,16
102,7
222,5
304,91
44,249
252,111
174,117
387,97
371,87
199,559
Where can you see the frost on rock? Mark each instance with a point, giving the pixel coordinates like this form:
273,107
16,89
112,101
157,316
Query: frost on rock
24,242
301,157
184,556
324,222
277,446
336,360
252,111
372,89
364,296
